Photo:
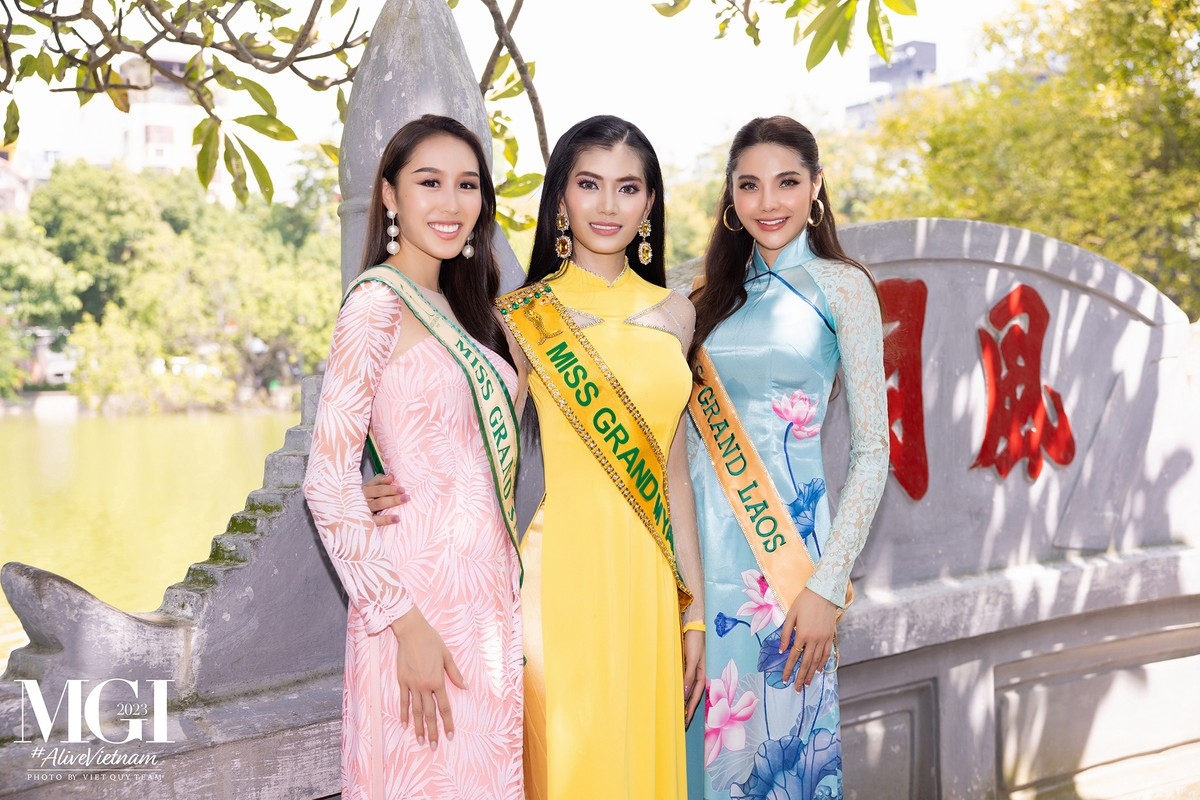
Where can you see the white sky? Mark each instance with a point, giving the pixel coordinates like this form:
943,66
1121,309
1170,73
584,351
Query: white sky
687,91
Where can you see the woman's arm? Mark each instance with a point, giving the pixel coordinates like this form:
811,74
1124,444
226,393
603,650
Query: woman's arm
363,339
686,531
860,340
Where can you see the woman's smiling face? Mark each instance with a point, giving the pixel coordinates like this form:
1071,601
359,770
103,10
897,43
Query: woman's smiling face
773,193
605,200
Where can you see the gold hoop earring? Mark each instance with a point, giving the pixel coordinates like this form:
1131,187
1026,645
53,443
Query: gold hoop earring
725,220
562,245
645,251
820,216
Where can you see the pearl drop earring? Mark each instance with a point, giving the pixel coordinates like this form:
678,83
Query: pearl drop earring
393,230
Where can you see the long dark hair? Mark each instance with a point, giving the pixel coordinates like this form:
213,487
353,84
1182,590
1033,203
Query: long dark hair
728,254
602,132
469,284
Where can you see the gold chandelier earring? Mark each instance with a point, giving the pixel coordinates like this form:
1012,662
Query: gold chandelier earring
820,214
562,245
645,251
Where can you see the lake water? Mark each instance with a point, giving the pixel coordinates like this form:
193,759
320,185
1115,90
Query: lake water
122,506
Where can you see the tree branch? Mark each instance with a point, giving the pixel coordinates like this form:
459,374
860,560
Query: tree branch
485,80
505,36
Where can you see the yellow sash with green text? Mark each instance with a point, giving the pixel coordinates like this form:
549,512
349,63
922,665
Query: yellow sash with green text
760,511
593,401
493,405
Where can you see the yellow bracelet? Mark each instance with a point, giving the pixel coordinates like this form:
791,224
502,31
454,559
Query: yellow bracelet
696,625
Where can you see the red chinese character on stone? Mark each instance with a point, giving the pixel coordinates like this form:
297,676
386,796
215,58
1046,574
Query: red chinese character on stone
1019,425
904,308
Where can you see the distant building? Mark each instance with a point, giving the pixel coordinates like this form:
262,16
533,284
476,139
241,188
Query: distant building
155,135
15,187
157,131
914,64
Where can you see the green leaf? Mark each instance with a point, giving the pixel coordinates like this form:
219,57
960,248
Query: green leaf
880,31
261,175
516,186
228,79
826,28
119,97
207,30
267,8
237,171
511,89
28,66
84,83
843,37
223,76
200,132
338,5
453,4
268,126
752,30
195,67
501,65
22,30
512,221
45,66
342,105
795,8
672,8
510,150
12,123
60,69
286,35
206,160
260,95
906,7
332,151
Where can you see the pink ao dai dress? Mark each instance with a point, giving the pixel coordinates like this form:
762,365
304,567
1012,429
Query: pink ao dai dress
449,556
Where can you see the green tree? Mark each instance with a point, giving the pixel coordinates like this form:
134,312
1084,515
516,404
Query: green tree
96,230
1090,133
199,300
39,291
691,205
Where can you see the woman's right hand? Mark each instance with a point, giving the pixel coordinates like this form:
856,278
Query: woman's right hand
423,662
382,493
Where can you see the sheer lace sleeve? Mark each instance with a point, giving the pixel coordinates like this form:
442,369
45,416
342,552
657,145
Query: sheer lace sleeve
366,333
674,314
682,316
860,339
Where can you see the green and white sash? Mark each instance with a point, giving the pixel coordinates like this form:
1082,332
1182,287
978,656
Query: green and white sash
493,405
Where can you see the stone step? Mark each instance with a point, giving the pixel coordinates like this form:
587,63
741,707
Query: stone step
285,470
297,439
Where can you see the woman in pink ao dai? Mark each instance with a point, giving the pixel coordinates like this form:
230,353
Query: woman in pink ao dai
433,687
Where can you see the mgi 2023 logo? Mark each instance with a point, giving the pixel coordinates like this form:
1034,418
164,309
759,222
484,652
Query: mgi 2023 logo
132,708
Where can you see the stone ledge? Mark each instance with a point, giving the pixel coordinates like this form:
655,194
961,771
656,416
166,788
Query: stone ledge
881,624
279,745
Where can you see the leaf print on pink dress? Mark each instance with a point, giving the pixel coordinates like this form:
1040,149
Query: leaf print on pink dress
725,715
762,604
449,556
798,410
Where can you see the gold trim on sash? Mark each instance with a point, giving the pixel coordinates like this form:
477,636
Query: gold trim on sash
616,434
760,511
493,409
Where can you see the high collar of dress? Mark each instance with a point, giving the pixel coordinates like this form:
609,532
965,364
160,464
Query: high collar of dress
797,253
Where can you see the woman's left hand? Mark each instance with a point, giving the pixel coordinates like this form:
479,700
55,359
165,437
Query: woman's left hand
693,673
814,621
